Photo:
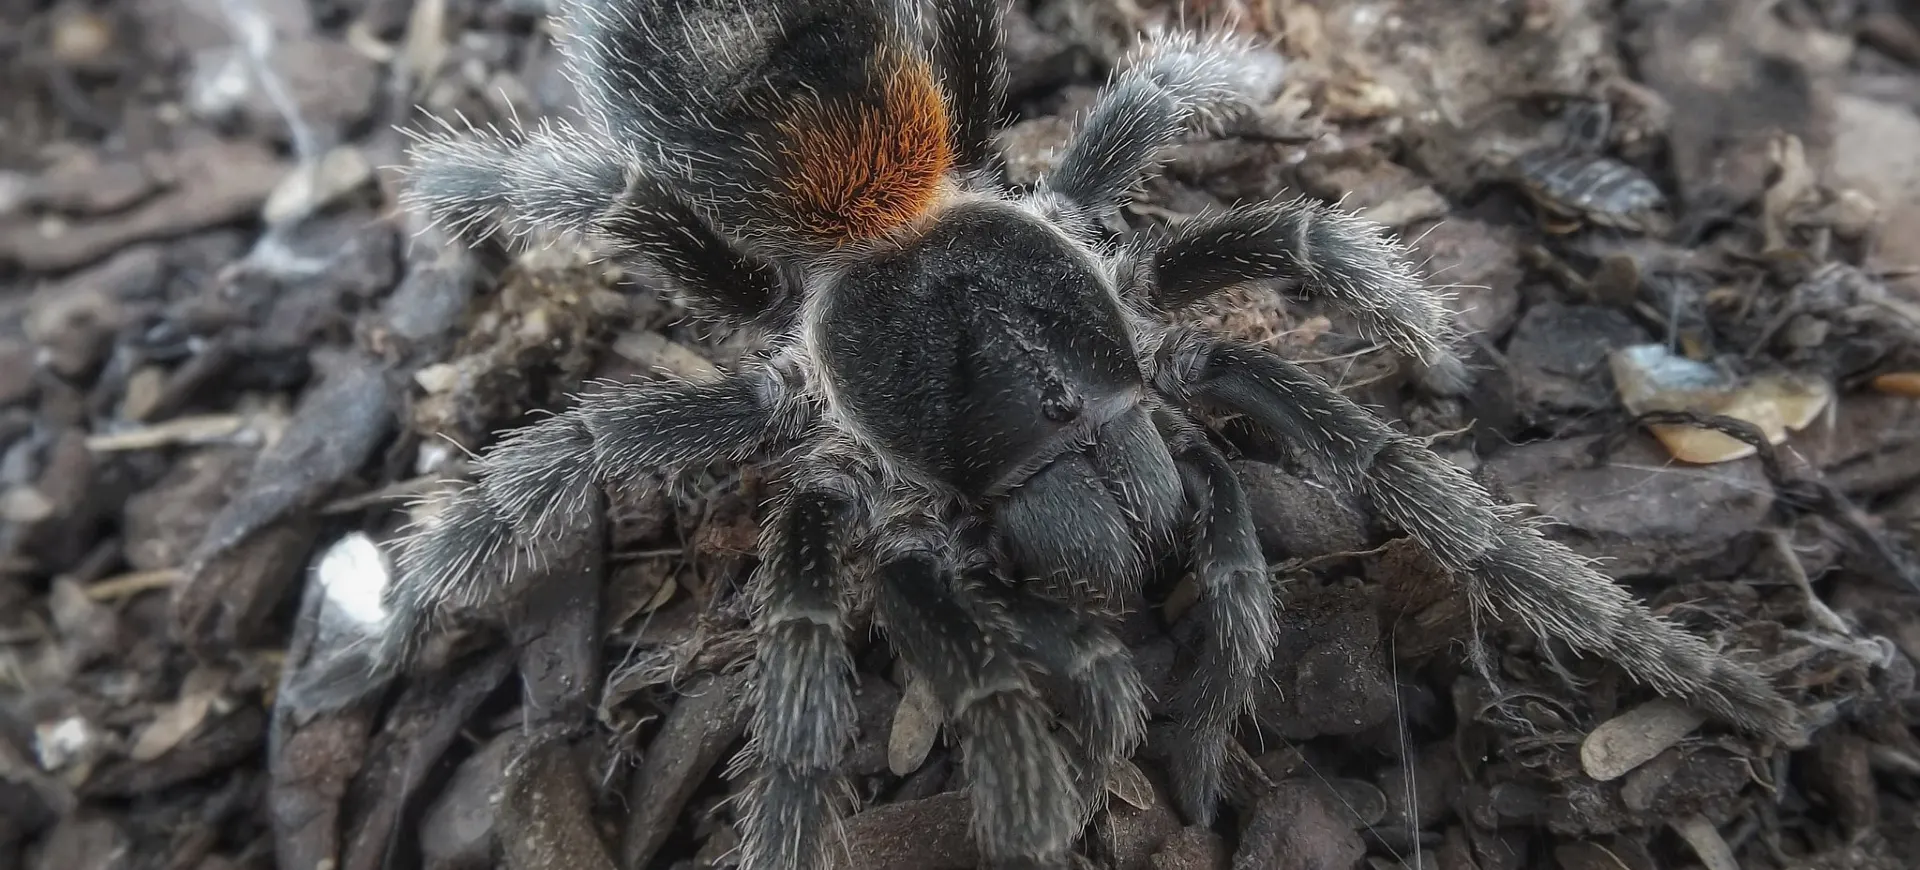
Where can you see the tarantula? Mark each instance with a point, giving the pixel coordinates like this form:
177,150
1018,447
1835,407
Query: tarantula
984,412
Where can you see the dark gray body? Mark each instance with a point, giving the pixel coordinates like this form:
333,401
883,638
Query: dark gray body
987,356
978,347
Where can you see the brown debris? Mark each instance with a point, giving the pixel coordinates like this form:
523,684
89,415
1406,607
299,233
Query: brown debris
1558,357
1191,848
553,313
1300,520
220,744
1329,674
1899,384
1635,511
1298,826
545,811
1479,261
460,829
707,719
245,562
426,719
1725,68
1131,835
80,843
208,184
928,834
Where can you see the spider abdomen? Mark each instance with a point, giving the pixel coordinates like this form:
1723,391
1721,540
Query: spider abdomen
814,124
979,351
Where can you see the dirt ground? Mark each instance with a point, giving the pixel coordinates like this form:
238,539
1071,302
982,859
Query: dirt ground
228,362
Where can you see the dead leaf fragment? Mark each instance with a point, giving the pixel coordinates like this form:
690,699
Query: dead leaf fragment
916,723
1633,738
1129,783
654,351
1649,377
1360,99
1181,599
1793,188
180,719
1899,384
1707,843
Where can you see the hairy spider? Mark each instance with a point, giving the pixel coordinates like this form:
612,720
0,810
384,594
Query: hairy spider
984,411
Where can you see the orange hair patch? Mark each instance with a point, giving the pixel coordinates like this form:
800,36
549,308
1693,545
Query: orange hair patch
860,169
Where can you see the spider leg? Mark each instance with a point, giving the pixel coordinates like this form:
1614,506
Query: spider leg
1320,251
1503,562
970,53
951,634
1164,87
1090,674
504,527
652,226
559,178
802,701
1236,611
553,177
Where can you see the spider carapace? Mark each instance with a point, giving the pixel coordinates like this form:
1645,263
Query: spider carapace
980,350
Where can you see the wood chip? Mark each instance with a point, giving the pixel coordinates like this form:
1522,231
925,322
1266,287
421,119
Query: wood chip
1633,738
1706,842
544,812
1182,598
134,583
213,183
710,714
652,350
1129,783
916,724
1899,384
180,719
197,429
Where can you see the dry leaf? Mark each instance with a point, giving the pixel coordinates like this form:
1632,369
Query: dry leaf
1899,384
1184,594
1795,185
916,722
1129,783
1651,378
661,596
181,718
1706,842
1633,738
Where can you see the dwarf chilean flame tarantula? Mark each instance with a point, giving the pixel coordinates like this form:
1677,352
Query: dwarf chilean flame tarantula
984,411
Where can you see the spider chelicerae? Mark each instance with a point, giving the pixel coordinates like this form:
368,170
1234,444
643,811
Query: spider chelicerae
984,415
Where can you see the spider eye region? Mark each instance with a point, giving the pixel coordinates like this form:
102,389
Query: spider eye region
859,167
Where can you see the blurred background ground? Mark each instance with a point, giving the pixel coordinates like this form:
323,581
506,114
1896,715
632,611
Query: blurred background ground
223,351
